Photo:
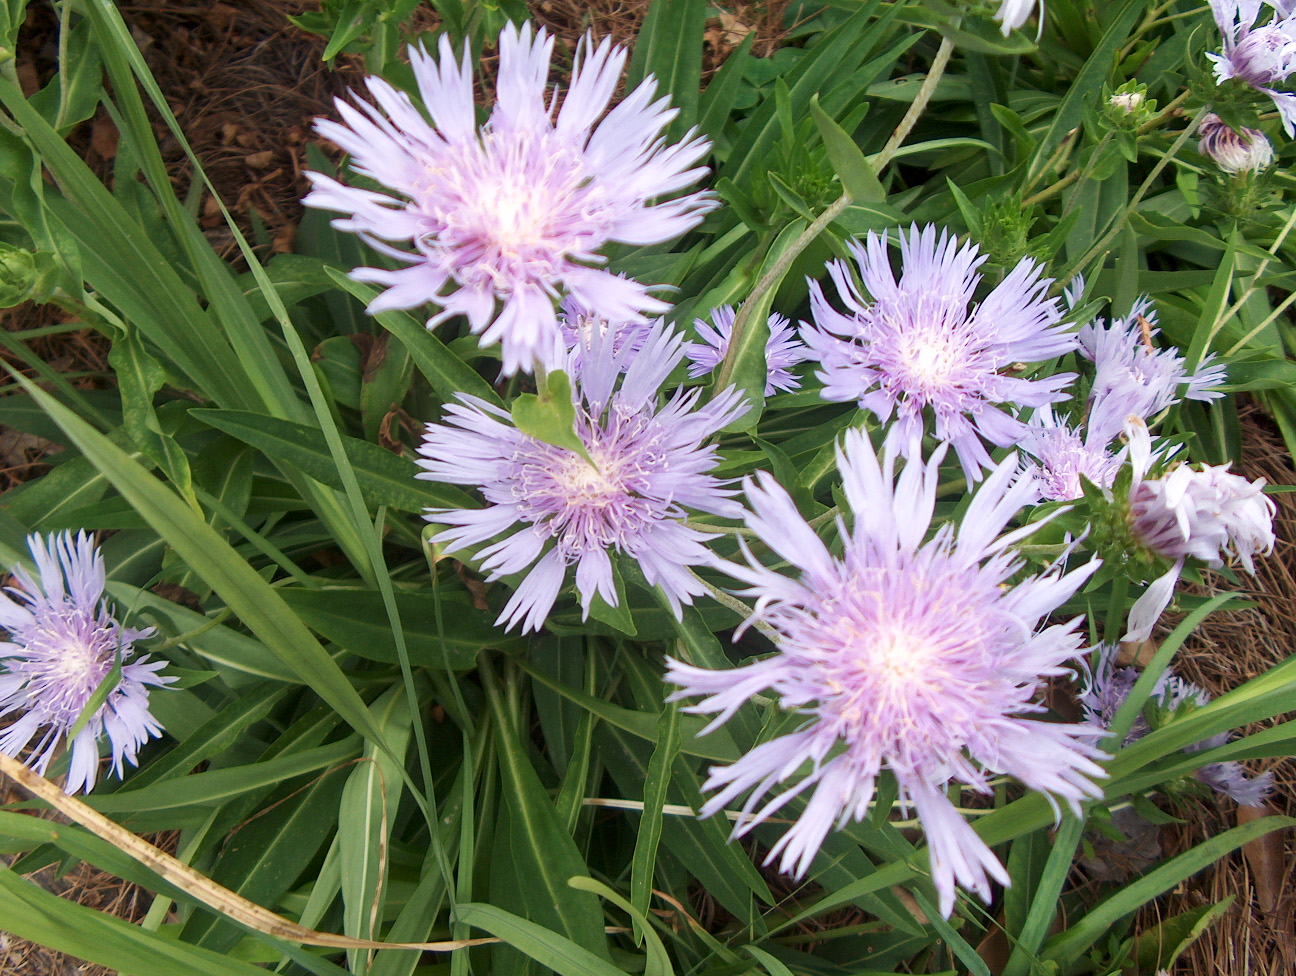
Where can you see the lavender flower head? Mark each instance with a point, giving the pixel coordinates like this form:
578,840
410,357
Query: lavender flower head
579,323
1110,686
650,464
1063,456
1258,56
1208,514
1134,378
499,220
783,351
63,643
914,656
1234,151
917,346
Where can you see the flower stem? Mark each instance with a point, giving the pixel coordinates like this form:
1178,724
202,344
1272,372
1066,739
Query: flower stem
775,274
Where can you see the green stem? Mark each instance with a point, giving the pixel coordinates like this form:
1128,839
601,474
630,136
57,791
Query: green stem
775,274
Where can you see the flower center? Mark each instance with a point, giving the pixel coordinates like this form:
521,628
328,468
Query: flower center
513,208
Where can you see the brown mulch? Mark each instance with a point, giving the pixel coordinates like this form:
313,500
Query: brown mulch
1257,935
245,85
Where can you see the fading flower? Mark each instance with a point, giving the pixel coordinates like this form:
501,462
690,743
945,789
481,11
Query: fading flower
1258,55
1134,378
498,220
63,643
916,345
1110,686
1207,514
919,657
1234,151
1014,13
783,351
650,465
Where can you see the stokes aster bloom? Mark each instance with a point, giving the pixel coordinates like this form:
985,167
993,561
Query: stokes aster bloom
1207,514
783,351
911,656
650,464
1261,55
1134,378
916,345
1109,688
1062,456
62,644
511,214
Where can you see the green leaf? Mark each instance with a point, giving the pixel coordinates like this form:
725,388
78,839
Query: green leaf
220,785
717,745
669,47
848,162
31,913
551,950
550,416
650,824
543,854
658,963
365,818
357,620
385,478
264,858
1159,947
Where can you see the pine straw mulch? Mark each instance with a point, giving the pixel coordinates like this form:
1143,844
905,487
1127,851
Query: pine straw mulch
245,85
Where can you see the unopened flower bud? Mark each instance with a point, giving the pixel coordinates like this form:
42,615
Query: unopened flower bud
1126,102
1232,150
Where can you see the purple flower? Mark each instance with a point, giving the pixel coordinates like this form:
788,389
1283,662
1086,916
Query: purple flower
783,351
1109,688
1234,151
1258,56
1207,514
918,347
509,214
650,465
920,657
1134,378
1062,457
579,322
63,643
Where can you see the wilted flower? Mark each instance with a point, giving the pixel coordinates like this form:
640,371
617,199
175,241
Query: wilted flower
1013,13
919,657
516,211
1258,56
1233,150
1134,378
916,345
1110,686
783,351
1063,457
1208,514
649,465
63,644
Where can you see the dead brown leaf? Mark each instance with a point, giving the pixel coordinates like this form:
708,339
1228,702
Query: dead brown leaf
103,137
1265,857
